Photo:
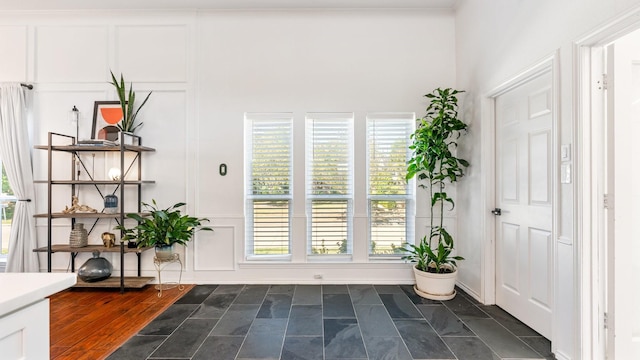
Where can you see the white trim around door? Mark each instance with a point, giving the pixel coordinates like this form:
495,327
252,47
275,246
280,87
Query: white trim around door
588,126
549,63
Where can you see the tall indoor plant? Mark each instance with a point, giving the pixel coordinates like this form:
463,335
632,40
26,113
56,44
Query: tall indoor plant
128,104
162,228
434,164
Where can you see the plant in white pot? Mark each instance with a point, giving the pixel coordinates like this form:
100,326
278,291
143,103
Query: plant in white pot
434,164
163,228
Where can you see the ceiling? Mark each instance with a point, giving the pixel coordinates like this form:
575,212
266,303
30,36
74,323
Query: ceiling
222,4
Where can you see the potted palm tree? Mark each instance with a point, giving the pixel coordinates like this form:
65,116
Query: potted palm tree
162,228
434,164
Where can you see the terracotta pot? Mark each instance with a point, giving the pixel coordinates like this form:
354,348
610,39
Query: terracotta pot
435,286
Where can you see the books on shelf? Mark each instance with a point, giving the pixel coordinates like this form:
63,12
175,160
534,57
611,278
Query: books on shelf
97,142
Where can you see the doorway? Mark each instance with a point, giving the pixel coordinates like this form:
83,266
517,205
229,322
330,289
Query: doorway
608,211
621,235
524,163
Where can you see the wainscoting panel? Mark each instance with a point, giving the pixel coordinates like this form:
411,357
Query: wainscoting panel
13,62
71,54
215,250
152,53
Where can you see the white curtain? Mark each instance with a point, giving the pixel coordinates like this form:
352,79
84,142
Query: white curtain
15,152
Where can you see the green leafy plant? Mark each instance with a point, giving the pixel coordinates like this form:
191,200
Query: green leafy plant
128,103
434,164
162,226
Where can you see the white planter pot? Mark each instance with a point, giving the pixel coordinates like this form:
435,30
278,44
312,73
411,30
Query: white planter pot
435,286
165,252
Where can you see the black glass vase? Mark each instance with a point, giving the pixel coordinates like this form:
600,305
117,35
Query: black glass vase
95,269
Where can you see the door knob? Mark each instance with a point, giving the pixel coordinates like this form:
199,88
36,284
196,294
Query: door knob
496,211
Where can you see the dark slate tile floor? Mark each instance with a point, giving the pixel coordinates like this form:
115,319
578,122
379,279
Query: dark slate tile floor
330,322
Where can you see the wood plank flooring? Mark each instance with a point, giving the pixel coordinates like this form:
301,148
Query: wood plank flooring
92,323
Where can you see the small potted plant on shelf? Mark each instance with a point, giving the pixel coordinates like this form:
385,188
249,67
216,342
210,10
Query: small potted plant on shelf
127,102
434,164
162,228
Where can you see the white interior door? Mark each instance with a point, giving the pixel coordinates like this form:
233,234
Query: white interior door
624,199
524,234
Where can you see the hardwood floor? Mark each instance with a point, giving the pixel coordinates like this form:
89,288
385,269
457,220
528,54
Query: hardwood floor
92,323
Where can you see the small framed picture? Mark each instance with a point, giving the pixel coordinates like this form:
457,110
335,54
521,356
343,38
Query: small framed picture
106,114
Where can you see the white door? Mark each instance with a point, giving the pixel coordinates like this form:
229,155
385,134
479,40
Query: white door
524,235
624,199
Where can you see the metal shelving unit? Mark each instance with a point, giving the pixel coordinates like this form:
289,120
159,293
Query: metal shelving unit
129,143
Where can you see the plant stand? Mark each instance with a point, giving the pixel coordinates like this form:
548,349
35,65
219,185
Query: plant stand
160,265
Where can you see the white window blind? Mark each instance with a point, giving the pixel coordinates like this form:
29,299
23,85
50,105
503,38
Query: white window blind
329,183
268,183
389,195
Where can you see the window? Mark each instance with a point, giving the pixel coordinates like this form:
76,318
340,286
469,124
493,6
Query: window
389,195
329,183
268,183
325,183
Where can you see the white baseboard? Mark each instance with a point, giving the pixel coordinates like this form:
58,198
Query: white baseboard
470,292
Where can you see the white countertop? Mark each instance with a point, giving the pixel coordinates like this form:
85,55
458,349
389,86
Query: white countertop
18,290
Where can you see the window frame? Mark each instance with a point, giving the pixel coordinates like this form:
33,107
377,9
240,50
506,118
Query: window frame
310,197
251,198
408,197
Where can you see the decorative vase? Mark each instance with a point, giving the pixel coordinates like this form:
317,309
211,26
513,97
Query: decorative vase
435,286
78,236
111,204
164,252
95,269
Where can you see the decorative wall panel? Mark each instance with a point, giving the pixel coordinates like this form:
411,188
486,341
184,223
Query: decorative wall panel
215,250
13,62
152,53
71,54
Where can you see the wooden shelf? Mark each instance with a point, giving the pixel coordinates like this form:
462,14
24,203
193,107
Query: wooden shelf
130,282
84,215
94,182
94,148
91,248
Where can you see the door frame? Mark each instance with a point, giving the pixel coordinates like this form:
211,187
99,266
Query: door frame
589,217
551,64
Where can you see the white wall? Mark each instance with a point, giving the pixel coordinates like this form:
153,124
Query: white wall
206,69
496,40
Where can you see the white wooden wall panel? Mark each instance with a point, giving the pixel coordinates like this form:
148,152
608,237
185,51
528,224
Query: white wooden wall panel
71,54
152,53
13,62
244,61
215,250
165,129
52,108
226,197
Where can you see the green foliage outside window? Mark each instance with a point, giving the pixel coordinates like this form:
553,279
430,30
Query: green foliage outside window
8,206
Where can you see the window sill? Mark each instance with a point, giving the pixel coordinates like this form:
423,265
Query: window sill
400,264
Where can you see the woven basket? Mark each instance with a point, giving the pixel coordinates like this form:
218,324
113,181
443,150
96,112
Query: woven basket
78,236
